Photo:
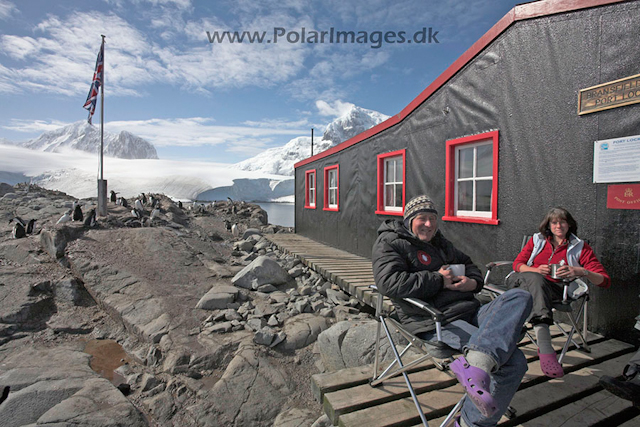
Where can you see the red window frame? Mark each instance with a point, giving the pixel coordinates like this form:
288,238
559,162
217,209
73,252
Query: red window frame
380,210
307,200
450,183
326,188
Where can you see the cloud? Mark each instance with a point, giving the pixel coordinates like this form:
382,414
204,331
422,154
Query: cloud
336,110
7,9
34,126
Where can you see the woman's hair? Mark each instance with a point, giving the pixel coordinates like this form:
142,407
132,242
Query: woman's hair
558,213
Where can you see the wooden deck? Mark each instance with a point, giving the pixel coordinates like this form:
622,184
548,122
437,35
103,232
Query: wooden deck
576,400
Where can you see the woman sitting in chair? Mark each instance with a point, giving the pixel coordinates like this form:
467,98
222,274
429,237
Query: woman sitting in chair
556,243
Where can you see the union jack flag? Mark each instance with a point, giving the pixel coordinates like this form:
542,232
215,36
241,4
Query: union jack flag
98,75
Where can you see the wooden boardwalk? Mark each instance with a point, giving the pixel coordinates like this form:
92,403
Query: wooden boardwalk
576,400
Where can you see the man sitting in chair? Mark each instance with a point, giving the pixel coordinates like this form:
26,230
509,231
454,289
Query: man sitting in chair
410,260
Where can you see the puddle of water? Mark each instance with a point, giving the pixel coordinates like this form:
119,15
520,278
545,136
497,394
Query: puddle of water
106,356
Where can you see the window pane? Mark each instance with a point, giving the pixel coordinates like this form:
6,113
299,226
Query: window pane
332,197
388,195
398,196
483,193
399,170
388,173
465,195
332,178
485,160
465,168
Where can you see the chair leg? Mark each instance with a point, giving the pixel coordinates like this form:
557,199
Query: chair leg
406,377
457,408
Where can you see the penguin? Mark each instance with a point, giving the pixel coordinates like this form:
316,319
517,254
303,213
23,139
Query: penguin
152,200
144,199
5,393
65,218
229,199
30,226
18,231
136,213
234,210
179,204
90,220
155,203
18,220
77,212
112,196
154,214
124,202
235,230
227,225
138,205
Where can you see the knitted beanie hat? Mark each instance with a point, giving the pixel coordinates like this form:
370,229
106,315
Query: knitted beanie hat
415,206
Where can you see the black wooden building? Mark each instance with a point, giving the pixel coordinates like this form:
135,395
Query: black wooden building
497,140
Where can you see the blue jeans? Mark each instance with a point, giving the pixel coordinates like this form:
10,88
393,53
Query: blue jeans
495,331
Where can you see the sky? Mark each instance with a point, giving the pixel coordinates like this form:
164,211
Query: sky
173,77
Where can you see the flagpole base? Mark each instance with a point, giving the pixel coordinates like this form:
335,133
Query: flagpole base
102,197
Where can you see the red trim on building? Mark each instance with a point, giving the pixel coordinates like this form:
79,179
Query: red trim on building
450,177
326,188
380,177
520,12
306,189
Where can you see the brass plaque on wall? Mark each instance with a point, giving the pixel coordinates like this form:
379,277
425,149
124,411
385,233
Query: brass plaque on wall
609,95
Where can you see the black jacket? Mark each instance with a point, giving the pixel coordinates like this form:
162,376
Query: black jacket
406,267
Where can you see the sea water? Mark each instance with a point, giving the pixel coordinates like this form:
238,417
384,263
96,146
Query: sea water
279,213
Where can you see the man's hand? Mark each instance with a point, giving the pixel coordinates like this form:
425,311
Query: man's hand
457,283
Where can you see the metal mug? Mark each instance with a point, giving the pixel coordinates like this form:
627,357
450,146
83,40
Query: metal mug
457,269
553,270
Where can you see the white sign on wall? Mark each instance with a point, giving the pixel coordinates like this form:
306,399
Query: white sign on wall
617,160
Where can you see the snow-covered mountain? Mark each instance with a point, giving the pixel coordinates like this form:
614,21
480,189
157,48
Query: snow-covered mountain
85,137
280,160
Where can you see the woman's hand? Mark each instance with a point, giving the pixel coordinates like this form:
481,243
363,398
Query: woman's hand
570,272
543,269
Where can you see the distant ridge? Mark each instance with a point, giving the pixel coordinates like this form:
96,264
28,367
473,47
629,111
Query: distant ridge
280,160
85,137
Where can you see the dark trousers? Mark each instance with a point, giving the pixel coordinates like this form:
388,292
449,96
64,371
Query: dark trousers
544,293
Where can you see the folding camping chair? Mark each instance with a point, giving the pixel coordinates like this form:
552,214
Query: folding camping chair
575,298
440,353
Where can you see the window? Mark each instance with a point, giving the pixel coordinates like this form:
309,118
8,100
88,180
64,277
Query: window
472,179
331,188
391,177
310,189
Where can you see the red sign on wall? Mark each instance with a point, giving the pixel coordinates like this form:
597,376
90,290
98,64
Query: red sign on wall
624,196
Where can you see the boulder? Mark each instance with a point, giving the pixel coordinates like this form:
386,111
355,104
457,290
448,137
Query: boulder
303,330
218,297
295,417
261,271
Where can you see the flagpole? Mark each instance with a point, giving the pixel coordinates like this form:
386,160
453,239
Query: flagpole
102,114
102,184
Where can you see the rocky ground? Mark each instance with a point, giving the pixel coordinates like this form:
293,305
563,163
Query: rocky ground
177,322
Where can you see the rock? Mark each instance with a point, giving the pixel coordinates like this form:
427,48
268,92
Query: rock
55,240
161,406
344,312
264,336
337,297
69,291
218,328
348,344
250,392
295,417
296,271
157,328
256,324
250,232
261,271
268,288
303,330
243,245
218,297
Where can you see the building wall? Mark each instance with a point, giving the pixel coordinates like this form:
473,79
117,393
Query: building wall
525,85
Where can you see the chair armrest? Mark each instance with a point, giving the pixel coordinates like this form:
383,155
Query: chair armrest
494,289
493,264
434,312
